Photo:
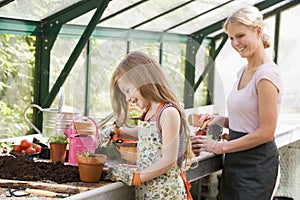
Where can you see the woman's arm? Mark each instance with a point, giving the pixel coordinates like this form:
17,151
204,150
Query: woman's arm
170,125
219,120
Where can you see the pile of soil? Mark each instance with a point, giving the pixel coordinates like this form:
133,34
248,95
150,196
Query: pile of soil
26,169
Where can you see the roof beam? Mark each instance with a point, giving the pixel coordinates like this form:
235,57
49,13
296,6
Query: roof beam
5,2
194,17
281,8
219,25
275,11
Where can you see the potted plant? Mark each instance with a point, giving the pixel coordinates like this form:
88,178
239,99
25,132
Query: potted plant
58,148
90,166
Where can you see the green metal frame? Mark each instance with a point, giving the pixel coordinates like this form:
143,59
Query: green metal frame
18,27
81,43
88,79
4,2
48,29
192,47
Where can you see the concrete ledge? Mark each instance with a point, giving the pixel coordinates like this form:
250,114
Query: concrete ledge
208,163
115,191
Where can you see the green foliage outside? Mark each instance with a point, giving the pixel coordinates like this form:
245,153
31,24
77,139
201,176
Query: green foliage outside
16,82
17,63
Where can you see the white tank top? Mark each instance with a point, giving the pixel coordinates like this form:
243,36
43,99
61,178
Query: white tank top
243,104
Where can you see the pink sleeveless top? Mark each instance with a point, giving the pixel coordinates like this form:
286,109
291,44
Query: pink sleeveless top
243,104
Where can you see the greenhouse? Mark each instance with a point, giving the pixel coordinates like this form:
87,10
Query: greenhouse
60,55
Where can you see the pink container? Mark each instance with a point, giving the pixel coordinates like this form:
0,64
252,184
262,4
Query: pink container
80,142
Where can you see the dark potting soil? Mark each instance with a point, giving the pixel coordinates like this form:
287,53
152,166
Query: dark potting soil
26,169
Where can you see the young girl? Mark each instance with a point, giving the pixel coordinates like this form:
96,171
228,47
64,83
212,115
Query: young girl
164,148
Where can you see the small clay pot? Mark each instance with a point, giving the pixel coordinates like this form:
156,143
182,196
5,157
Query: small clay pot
58,152
90,168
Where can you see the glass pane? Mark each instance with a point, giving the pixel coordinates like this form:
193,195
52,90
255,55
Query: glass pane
113,7
33,9
180,15
74,86
211,17
173,63
288,61
117,5
140,14
17,64
103,64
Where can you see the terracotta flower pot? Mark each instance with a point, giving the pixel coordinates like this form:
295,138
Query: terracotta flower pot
128,151
90,168
58,152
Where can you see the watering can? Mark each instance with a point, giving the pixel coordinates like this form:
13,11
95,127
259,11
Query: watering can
55,121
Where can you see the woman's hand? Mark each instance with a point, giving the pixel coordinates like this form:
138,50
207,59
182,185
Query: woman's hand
199,120
206,120
203,143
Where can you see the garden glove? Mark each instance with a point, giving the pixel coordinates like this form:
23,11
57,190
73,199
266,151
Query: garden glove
125,174
110,133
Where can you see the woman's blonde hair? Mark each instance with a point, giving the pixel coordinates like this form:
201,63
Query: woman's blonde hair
251,17
146,74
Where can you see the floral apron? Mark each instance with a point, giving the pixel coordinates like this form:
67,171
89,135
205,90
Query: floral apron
168,186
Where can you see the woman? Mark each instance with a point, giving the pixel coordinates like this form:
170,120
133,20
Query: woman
163,138
251,156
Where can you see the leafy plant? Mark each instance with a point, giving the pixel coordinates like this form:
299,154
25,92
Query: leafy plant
87,154
58,139
6,146
134,114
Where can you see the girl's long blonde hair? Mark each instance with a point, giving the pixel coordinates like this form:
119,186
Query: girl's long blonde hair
146,75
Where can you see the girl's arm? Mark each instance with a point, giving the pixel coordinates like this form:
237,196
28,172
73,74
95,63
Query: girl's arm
129,132
170,125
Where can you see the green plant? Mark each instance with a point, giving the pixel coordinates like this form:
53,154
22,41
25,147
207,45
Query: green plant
57,139
133,118
87,154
